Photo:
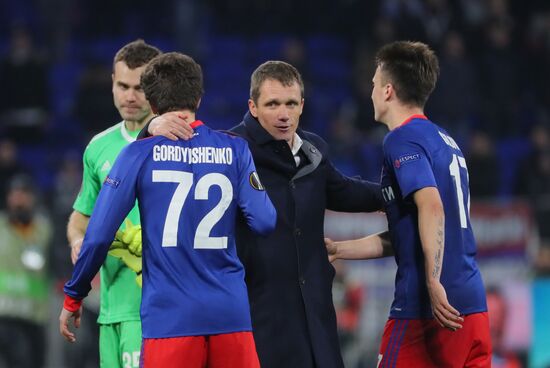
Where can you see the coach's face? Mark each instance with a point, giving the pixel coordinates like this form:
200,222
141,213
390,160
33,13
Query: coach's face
278,109
127,93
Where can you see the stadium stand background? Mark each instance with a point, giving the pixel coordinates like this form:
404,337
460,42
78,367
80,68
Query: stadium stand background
493,96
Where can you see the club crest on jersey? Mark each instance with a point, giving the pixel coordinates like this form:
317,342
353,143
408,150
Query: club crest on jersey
255,182
405,159
112,182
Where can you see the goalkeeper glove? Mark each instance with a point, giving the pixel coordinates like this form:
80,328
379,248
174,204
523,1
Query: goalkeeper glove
127,247
129,238
132,261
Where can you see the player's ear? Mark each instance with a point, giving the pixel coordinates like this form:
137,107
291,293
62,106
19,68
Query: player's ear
388,91
154,109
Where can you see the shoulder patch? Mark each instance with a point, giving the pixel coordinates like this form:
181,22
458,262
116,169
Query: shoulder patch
255,182
112,182
405,159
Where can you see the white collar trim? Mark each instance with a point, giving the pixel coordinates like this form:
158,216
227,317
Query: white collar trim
125,134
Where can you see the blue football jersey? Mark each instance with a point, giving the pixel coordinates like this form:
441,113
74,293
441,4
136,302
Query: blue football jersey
189,194
420,154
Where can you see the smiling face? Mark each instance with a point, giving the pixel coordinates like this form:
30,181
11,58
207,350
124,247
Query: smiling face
278,109
128,96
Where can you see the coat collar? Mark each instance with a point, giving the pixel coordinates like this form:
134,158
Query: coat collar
314,157
256,131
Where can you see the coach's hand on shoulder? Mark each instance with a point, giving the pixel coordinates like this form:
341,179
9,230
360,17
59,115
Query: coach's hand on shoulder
443,312
172,125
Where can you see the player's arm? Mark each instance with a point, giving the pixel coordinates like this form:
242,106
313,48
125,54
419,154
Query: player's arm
115,200
351,194
76,228
373,246
84,203
431,226
172,125
252,198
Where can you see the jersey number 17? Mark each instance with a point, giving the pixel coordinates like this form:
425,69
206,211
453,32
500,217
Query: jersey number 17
455,167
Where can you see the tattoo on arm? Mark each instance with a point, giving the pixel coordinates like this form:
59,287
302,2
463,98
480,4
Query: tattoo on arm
438,258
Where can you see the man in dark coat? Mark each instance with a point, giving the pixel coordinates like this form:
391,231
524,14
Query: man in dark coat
288,275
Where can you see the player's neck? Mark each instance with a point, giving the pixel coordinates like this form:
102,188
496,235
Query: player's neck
400,114
187,116
133,125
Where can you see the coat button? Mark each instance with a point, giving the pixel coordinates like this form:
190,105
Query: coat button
298,232
292,185
302,281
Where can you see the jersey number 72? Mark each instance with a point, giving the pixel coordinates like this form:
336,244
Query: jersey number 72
202,239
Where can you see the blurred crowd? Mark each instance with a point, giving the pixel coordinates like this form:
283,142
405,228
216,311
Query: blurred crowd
55,67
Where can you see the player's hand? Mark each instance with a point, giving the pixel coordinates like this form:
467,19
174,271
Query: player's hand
443,312
75,249
64,318
172,125
331,249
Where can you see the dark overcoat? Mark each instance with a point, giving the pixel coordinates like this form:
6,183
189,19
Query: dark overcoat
288,275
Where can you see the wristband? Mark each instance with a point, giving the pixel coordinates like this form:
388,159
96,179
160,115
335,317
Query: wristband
71,304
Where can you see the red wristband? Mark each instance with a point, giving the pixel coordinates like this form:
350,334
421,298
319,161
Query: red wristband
72,304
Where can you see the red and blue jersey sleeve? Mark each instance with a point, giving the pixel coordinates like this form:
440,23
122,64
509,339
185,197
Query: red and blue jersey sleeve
252,198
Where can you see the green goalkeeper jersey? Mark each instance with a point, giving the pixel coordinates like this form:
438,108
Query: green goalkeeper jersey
120,294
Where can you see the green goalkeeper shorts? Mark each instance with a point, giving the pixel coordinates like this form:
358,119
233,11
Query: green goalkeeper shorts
120,344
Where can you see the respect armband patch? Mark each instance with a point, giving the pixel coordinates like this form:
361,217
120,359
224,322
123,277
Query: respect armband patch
255,182
112,182
405,159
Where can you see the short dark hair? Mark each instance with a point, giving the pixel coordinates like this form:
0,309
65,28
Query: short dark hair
412,68
280,71
171,82
135,54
